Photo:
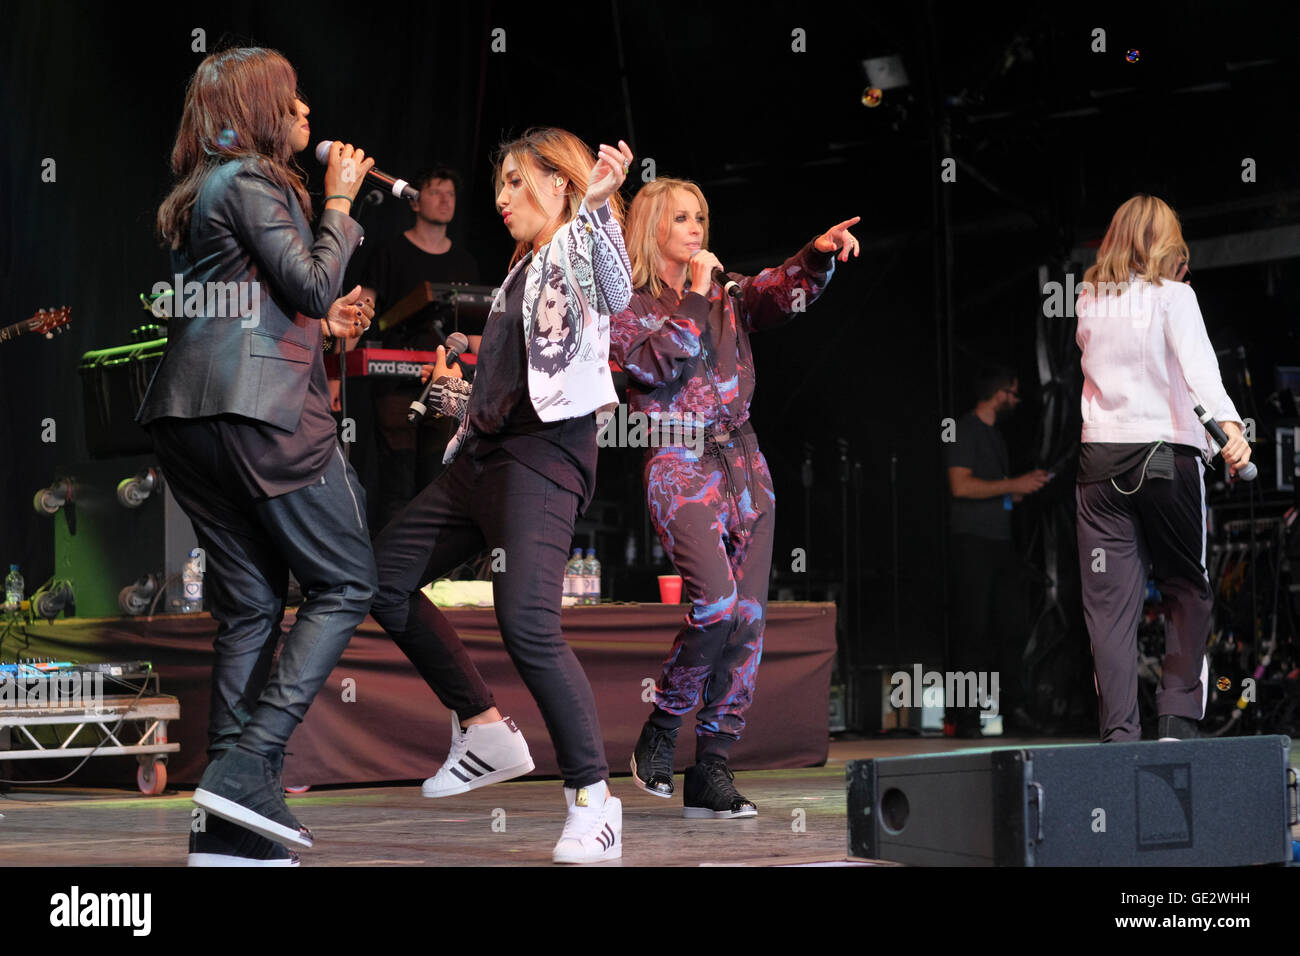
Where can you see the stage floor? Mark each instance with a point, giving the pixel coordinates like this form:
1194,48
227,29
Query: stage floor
396,826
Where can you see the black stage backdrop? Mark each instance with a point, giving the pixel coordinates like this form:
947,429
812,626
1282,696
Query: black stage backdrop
1049,136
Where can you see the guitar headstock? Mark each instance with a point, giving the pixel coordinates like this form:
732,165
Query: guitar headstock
49,322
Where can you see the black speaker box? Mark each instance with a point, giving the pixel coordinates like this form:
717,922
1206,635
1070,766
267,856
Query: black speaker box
1226,802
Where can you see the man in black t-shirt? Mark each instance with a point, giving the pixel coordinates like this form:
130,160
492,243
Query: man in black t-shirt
986,634
410,457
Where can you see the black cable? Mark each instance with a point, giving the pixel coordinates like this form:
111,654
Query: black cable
1250,570
162,589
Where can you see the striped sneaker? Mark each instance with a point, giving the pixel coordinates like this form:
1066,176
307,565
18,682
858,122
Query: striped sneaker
480,754
593,830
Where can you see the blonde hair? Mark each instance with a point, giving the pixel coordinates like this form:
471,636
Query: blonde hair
1144,239
555,152
647,228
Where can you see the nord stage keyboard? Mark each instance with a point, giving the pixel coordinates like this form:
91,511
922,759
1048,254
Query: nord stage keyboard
386,363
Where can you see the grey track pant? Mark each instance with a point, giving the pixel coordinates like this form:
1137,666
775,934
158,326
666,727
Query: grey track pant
1161,527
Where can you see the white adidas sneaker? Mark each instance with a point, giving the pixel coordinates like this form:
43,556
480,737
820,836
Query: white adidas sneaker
480,754
593,831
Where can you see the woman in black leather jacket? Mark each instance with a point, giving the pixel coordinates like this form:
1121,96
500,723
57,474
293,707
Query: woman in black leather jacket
240,417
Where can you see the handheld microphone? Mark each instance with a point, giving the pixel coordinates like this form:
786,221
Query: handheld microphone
1248,471
456,343
398,187
729,285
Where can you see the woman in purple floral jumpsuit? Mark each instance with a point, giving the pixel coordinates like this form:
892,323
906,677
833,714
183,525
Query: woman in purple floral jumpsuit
684,342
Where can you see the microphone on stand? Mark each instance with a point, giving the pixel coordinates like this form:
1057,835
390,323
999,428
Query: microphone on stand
398,187
1246,472
456,343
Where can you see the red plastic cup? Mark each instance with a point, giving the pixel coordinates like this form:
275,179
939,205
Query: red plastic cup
670,588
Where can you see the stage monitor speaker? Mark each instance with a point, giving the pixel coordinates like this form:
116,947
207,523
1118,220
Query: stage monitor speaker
103,545
1222,802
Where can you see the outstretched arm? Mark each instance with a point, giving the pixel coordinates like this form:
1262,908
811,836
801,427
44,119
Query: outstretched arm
774,296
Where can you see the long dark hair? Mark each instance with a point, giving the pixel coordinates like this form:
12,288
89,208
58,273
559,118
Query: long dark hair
238,103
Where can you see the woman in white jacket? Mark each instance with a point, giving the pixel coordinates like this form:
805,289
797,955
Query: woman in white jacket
521,468
1147,363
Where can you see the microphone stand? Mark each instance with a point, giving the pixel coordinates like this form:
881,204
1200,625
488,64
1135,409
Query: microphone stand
372,199
857,539
1256,631
847,656
893,532
343,396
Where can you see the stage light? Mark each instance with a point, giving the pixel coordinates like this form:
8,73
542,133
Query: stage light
886,72
49,602
49,500
135,491
135,599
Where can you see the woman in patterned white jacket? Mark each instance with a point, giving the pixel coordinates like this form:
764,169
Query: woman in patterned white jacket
521,468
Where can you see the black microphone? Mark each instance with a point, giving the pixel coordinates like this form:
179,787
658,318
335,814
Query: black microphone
729,285
398,187
456,343
1248,471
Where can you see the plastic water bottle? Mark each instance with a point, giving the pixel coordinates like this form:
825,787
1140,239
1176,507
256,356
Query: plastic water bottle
14,588
573,580
592,575
192,583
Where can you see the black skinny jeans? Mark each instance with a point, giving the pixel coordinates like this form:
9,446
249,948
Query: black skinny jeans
489,503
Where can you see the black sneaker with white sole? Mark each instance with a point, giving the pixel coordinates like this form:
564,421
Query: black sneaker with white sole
244,788
710,793
652,760
222,843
